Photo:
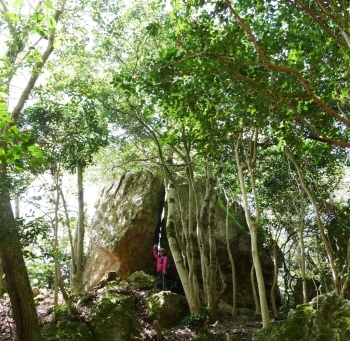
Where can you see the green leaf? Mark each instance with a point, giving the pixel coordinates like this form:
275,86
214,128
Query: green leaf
10,16
18,3
3,106
36,151
38,17
49,4
51,23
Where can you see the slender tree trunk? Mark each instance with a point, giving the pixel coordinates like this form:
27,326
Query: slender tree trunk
201,213
212,294
347,279
233,269
191,251
275,277
325,240
55,240
65,295
73,260
302,246
250,160
176,253
191,289
18,285
255,294
78,286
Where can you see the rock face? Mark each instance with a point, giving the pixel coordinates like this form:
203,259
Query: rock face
325,318
122,230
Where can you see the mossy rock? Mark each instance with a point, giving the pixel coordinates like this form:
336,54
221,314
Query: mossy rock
140,280
167,307
113,318
326,318
67,331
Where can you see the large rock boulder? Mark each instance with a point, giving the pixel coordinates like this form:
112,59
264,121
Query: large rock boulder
325,318
122,229
113,318
166,307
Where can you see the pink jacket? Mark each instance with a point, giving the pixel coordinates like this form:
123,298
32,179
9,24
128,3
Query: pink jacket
161,261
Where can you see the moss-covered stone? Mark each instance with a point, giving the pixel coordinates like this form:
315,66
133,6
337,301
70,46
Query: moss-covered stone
113,318
167,307
140,280
326,318
67,331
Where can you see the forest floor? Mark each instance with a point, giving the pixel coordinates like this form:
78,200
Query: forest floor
241,328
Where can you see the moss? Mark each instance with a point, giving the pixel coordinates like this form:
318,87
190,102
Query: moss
233,218
324,319
166,307
295,328
67,331
113,318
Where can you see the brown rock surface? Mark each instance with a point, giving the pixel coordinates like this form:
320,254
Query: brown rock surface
122,230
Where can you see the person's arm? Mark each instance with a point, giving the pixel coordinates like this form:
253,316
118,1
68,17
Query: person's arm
155,254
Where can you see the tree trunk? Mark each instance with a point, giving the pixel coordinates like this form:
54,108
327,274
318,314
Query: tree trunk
275,277
176,253
19,289
255,294
18,285
347,279
190,288
78,286
233,269
55,239
250,151
212,246
324,237
73,260
302,246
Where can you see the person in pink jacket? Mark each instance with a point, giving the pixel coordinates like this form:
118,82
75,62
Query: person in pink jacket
162,262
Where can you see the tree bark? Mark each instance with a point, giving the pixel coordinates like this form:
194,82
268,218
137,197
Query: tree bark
176,253
78,286
345,286
275,277
55,232
250,151
233,269
19,289
18,285
212,294
302,246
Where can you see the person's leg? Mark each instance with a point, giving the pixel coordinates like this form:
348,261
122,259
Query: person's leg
159,283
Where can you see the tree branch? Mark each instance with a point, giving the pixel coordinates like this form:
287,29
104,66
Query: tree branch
37,68
285,69
318,22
